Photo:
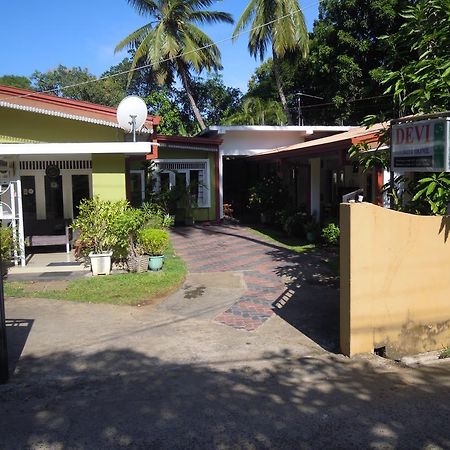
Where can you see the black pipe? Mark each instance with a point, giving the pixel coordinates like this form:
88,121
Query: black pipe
4,368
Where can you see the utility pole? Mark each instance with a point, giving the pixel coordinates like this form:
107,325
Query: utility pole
300,95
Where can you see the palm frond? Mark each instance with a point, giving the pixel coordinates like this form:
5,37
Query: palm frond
144,7
208,17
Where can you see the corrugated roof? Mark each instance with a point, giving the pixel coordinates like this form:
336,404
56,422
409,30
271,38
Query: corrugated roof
35,102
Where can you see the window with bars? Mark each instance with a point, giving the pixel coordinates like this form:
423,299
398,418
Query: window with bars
192,173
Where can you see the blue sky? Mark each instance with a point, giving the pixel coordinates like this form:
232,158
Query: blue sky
42,35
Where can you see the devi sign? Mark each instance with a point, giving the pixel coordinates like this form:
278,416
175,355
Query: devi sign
421,146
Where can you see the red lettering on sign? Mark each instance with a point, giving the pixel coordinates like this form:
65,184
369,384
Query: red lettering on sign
400,135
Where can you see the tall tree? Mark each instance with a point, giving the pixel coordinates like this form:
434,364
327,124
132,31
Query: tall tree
422,45
280,26
16,81
172,42
215,100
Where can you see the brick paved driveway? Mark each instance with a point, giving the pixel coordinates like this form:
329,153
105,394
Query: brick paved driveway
295,286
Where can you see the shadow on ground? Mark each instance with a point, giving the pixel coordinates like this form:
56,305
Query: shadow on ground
310,302
17,332
125,399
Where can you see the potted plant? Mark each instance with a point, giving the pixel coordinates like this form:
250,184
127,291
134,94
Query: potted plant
94,222
154,242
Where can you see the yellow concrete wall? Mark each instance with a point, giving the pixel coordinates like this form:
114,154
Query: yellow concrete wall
108,176
42,128
395,281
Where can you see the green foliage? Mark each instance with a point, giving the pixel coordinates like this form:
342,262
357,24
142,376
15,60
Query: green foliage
331,233
155,216
435,190
422,83
344,65
286,33
121,289
153,242
294,223
6,243
255,111
269,197
161,103
97,223
215,100
15,81
369,158
444,353
173,44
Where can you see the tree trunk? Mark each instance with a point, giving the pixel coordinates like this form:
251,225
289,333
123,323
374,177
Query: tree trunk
185,80
276,72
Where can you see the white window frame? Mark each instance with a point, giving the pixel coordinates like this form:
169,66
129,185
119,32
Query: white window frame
206,182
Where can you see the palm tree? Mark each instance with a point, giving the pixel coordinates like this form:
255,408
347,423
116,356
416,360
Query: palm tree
279,25
173,44
256,111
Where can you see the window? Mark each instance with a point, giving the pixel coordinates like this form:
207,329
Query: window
193,173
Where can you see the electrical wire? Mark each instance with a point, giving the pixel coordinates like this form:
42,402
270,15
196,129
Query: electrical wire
146,66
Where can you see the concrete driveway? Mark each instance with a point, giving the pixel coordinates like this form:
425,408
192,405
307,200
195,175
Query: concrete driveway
181,375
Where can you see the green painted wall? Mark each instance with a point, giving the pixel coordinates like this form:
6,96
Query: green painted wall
39,127
108,176
200,214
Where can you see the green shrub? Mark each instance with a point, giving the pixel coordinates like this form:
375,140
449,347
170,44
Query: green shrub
106,225
155,216
294,224
114,226
152,241
6,243
331,234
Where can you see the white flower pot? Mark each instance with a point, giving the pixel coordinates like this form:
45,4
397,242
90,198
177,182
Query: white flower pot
100,263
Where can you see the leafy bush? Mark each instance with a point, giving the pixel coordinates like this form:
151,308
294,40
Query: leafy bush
331,234
294,224
152,241
6,242
115,226
269,196
155,216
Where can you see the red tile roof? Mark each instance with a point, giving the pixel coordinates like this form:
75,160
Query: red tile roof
15,98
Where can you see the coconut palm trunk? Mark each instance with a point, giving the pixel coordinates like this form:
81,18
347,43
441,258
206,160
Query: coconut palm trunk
186,84
280,89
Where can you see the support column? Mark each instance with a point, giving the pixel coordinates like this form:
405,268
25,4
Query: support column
315,187
220,157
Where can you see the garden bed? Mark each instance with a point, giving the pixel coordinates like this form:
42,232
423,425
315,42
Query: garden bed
121,289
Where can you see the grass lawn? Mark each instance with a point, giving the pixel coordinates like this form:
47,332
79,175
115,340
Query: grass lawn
120,289
279,238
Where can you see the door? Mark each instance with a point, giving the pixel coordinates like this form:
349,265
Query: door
28,202
54,207
80,191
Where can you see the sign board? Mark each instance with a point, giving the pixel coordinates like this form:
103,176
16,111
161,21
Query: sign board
421,146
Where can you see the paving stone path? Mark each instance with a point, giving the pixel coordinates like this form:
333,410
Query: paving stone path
232,249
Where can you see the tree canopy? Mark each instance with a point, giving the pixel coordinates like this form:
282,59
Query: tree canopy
278,25
173,43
